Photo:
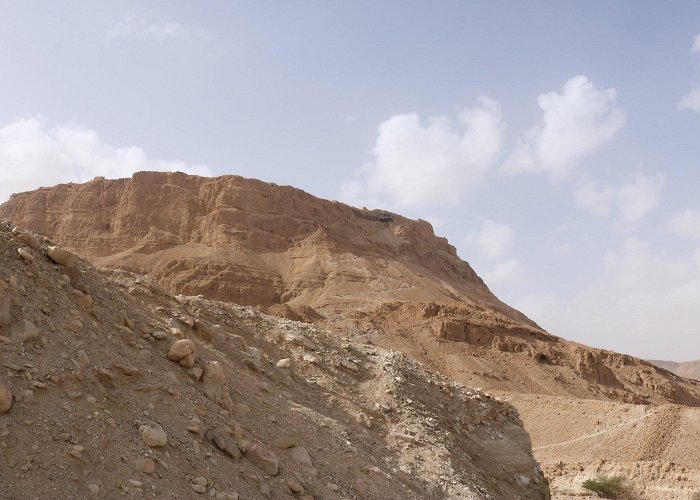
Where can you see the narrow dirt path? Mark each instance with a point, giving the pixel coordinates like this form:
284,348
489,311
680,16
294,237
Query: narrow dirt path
597,433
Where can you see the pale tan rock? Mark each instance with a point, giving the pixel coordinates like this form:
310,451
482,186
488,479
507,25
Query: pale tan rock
145,465
215,386
224,441
284,363
153,435
25,254
183,351
301,456
5,398
29,239
261,457
60,256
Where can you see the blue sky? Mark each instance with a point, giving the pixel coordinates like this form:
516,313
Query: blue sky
554,143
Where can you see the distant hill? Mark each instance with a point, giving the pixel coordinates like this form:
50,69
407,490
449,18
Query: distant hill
688,369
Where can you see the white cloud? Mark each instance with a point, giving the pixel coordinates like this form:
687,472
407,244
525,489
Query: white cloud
691,101
643,303
509,271
575,123
686,224
418,165
629,202
494,239
696,45
34,155
134,26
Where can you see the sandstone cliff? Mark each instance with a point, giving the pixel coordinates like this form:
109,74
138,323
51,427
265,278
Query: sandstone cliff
376,277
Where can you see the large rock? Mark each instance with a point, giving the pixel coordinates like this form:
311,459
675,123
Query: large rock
215,386
261,457
184,352
61,256
153,435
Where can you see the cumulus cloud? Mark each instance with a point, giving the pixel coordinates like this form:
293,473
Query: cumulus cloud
417,164
686,224
494,242
643,303
32,154
629,202
134,26
575,123
509,271
691,101
696,45
494,239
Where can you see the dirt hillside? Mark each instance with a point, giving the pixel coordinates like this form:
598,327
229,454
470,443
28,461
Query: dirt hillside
110,387
655,448
370,275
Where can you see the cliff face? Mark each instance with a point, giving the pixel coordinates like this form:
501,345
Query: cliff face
250,242
369,275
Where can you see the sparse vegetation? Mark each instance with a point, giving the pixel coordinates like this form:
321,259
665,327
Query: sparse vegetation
606,486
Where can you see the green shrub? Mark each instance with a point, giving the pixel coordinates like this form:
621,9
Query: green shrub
606,486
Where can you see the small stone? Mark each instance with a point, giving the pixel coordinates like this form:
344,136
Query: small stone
301,456
5,399
60,256
310,358
284,363
349,365
195,372
332,487
295,487
183,351
264,459
224,441
85,300
25,254
153,435
91,399
199,484
27,238
93,488
145,465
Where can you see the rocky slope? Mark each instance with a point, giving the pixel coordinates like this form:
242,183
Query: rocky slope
375,277
687,369
112,387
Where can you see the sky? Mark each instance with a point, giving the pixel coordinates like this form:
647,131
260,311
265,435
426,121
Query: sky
555,144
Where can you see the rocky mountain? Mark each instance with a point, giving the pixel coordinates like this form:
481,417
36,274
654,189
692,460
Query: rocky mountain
687,369
374,276
111,387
